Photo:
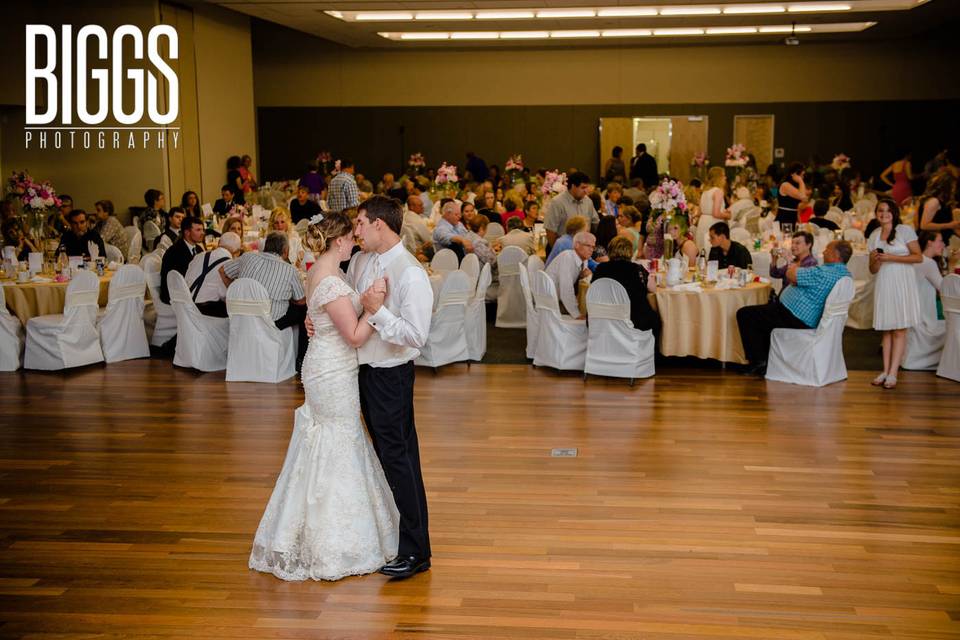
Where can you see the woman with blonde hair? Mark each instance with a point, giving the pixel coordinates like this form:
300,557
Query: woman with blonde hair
713,208
281,221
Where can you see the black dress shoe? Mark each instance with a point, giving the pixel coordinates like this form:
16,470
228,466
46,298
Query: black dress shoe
405,566
758,369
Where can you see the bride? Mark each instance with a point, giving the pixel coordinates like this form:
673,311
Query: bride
332,513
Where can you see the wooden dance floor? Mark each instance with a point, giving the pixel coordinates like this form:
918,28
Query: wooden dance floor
701,504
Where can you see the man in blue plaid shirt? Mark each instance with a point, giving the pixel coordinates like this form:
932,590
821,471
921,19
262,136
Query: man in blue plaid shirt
799,307
342,193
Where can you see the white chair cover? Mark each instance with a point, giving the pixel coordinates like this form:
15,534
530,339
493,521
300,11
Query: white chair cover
444,261
494,231
163,318
532,320
561,341
751,220
447,341
534,264
925,340
122,334
813,357
950,358
853,235
202,341
11,337
470,265
134,245
113,254
835,215
511,308
864,209
69,339
742,236
150,233
614,347
476,325
258,351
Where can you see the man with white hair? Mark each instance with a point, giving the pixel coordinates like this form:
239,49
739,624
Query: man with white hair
450,232
568,267
207,288
415,234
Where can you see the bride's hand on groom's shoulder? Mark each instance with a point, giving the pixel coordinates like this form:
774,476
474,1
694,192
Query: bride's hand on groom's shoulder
372,298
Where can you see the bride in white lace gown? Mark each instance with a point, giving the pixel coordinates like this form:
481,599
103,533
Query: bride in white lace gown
332,513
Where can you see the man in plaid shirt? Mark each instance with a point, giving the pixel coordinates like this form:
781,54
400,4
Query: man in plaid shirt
342,192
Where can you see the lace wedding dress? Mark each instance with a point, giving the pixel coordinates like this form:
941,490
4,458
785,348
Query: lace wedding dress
332,513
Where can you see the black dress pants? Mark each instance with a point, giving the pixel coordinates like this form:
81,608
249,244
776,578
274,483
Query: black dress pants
386,400
756,323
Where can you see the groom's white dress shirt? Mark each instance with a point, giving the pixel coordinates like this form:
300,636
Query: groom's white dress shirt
403,322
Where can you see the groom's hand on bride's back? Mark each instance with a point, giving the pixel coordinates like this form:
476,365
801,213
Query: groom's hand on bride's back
309,324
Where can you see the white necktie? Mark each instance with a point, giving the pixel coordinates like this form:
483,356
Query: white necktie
370,273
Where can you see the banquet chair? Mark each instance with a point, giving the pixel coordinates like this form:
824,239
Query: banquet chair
494,231
950,358
476,322
853,235
447,340
532,319
11,337
113,254
742,236
813,357
511,309
134,245
444,261
68,339
150,233
158,314
865,208
202,341
122,332
470,265
751,220
835,215
258,351
534,264
561,340
614,347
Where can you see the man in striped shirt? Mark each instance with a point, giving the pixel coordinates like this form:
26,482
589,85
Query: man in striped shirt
281,279
342,192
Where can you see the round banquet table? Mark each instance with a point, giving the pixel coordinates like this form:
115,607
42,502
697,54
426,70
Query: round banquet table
33,299
704,324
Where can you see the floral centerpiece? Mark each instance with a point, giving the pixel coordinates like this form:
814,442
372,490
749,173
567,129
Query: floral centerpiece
324,161
736,156
446,182
554,182
670,207
699,165
416,163
840,162
36,200
514,168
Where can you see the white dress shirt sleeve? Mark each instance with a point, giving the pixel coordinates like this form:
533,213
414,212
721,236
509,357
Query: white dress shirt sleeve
410,327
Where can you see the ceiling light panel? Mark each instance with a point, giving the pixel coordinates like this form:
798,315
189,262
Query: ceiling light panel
567,13
818,8
754,9
505,15
690,11
444,15
626,12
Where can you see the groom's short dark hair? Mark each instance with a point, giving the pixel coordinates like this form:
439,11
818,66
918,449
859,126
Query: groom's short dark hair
383,208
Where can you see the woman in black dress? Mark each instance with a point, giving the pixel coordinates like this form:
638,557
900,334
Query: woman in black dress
634,279
791,194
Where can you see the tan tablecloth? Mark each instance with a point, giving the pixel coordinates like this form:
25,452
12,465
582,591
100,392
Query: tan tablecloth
705,324
43,298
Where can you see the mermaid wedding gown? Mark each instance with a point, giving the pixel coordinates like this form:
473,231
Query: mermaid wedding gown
332,513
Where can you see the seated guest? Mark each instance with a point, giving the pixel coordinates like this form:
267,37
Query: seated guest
415,229
726,251
634,279
607,230
233,224
489,206
178,256
476,230
800,246
929,281
280,221
517,237
190,203
13,236
531,210
611,206
573,226
155,213
272,269
313,180
630,220
512,206
58,222
172,232
450,232
7,211
799,306
567,270
226,203
203,276
303,207
110,228
468,211
820,209
386,185
683,242
76,240
636,190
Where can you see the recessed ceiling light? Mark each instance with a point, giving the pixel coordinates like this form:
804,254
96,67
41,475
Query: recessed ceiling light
567,13
573,33
444,15
475,35
678,32
524,35
785,29
729,31
375,16
626,12
817,8
626,33
754,9
690,11
427,35
504,15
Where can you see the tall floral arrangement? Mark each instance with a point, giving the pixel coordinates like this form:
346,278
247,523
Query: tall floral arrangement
446,180
416,162
736,156
36,199
554,182
699,165
668,198
514,168
840,162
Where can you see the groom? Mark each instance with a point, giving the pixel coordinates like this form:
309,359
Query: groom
401,319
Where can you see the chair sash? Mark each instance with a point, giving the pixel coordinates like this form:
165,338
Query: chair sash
177,296
248,308
950,304
510,269
126,291
545,301
607,311
455,298
82,299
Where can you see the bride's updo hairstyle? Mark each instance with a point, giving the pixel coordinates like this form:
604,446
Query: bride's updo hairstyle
320,235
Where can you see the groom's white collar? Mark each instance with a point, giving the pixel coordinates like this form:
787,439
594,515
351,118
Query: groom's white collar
388,256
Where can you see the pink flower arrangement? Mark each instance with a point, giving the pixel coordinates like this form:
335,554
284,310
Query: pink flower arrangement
32,194
668,197
416,161
736,156
446,173
700,159
840,162
514,163
553,182
324,157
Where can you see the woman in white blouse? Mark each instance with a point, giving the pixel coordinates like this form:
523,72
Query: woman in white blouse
280,221
896,307
712,206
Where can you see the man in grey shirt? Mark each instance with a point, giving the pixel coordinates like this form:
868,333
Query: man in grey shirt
566,205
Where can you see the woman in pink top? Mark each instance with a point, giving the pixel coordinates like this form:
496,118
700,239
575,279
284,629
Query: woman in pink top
512,211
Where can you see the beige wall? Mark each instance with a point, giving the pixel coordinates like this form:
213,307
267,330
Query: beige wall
295,69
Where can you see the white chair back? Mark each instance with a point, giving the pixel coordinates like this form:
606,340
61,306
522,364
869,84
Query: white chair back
258,351
11,337
447,340
511,309
70,339
122,332
545,294
751,220
740,235
949,366
534,264
494,231
835,215
865,208
476,322
113,254
444,261
532,320
561,342
134,245
853,235
150,233
202,341
470,265
614,346
165,320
